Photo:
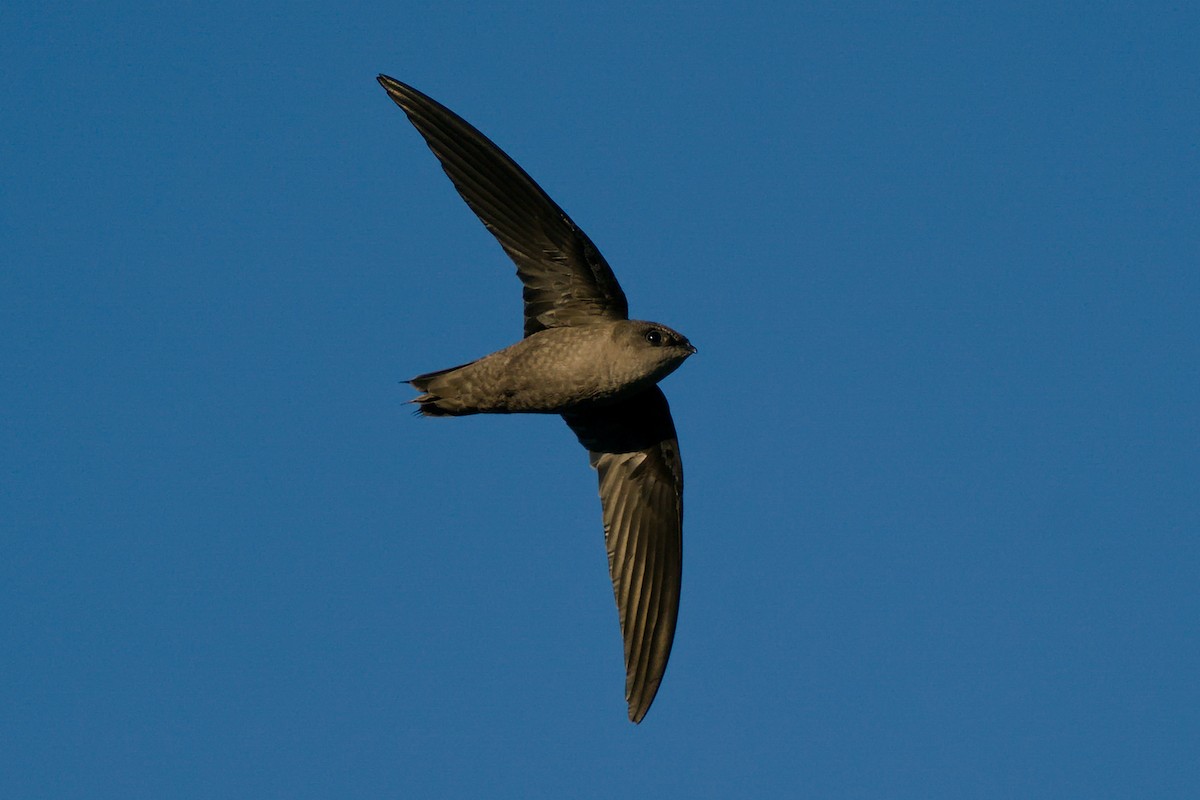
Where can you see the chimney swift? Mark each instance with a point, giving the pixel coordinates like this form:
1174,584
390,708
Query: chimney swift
581,357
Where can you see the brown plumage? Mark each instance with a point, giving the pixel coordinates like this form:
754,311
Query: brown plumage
582,357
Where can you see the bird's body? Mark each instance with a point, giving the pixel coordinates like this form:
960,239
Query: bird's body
554,371
581,357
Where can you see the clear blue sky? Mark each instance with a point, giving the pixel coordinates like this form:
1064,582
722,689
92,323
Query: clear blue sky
942,264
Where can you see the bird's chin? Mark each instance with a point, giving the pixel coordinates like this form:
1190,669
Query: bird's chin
671,366
661,371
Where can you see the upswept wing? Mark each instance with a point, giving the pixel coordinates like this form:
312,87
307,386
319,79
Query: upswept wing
567,281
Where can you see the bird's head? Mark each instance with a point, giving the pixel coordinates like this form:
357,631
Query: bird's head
659,350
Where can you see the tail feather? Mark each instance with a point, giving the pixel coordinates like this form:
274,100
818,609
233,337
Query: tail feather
421,382
431,403
427,406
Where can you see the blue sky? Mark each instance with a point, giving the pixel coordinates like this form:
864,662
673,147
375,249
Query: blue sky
941,440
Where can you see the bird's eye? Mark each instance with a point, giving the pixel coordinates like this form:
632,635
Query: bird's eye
654,337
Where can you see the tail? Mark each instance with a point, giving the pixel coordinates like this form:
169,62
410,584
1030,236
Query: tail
436,398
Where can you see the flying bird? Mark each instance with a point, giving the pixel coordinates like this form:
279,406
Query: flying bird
583,358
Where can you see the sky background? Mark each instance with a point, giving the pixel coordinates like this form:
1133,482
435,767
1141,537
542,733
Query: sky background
942,264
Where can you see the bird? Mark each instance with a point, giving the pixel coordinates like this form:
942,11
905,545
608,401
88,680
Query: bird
581,357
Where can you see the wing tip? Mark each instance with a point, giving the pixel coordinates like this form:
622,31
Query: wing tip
640,702
396,90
